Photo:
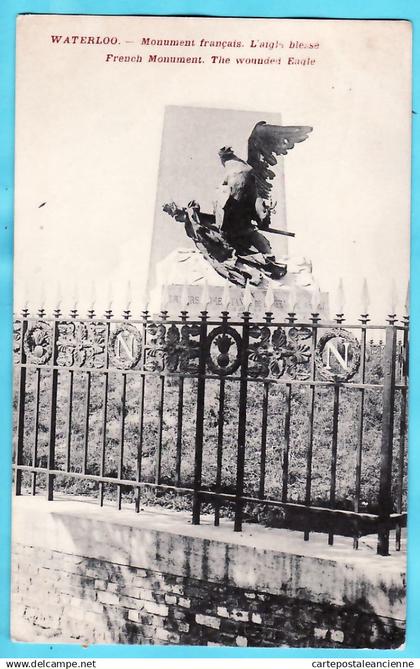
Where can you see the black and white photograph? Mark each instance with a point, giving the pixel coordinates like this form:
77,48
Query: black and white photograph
211,332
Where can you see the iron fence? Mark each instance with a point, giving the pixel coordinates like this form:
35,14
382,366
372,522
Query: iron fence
301,424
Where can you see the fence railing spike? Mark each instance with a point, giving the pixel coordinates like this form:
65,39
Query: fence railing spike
163,297
292,300
185,298
316,298
128,296
109,299
92,296
247,297
269,299
144,301
75,297
407,300
26,291
365,298
226,296
58,295
128,300
41,301
393,298
340,299
205,296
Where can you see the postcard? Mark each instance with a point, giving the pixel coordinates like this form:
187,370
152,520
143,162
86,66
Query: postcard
211,331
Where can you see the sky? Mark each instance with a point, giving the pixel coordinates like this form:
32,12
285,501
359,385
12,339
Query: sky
89,146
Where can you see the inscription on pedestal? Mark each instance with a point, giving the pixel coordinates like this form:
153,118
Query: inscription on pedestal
174,301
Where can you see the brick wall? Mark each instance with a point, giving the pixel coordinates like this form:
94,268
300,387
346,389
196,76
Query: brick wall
65,597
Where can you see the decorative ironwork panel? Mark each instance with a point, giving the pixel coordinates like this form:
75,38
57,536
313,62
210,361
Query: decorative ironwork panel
337,356
172,348
299,352
224,350
17,340
125,346
190,348
280,351
81,344
37,343
260,353
155,349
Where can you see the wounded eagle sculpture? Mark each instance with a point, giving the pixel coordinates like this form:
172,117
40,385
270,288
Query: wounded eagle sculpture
230,239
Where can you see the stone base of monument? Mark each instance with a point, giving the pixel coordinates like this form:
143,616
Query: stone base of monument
186,281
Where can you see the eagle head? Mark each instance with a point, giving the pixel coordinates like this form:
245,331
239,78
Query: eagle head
226,153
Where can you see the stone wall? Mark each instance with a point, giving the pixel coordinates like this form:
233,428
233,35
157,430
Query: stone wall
92,575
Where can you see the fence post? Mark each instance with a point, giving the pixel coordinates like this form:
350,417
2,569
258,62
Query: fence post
243,392
139,458
309,453
21,405
199,428
385,495
53,416
402,428
108,316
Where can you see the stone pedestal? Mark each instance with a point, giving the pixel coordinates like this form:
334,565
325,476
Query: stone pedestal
185,281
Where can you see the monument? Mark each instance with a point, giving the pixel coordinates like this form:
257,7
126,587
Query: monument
239,253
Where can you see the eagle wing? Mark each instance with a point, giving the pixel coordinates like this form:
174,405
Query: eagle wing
265,143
